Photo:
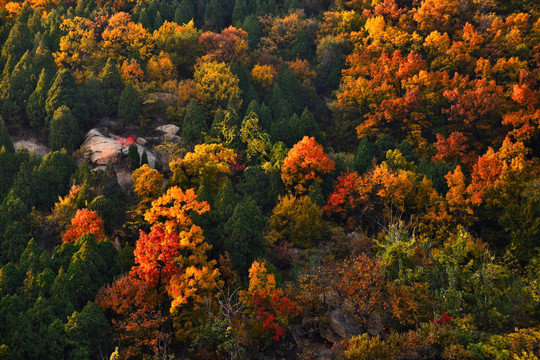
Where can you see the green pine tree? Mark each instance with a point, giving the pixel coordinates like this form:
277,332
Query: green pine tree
194,126
243,231
312,126
110,76
290,88
254,28
8,169
297,130
144,157
239,13
18,41
363,160
5,140
43,58
133,158
185,12
111,83
265,117
95,98
302,47
152,9
129,107
18,86
144,21
158,20
64,91
64,131
214,15
53,175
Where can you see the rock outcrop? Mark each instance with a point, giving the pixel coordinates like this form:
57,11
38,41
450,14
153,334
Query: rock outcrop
102,148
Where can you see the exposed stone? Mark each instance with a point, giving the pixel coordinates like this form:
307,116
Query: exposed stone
343,324
375,324
348,306
168,129
142,141
31,145
326,332
172,138
103,149
353,236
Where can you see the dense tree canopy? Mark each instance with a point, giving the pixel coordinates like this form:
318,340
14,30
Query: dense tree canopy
319,179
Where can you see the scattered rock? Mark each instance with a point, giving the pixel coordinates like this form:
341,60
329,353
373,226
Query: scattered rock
172,138
348,306
353,236
326,332
343,324
168,129
327,354
142,141
103,149
375,324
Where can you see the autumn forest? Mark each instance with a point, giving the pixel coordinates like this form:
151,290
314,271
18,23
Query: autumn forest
270,179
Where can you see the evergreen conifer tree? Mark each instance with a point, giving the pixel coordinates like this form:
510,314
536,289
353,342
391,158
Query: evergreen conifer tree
111,83
8,168
18,41
43,58
18,86
194,125
133,158
64,91
290,88
297,130
144,157
35,107
144,21
5,140
158,21
265,117
302,47
243,230
312,127
64,131
129,107
364,156
185,12
239,13
253,27
214,15
95,98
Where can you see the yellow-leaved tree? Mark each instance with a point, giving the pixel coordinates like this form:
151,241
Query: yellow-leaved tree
207,166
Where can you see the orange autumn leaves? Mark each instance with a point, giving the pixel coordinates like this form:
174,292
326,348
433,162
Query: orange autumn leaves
171,270
85,221
304,165
174,252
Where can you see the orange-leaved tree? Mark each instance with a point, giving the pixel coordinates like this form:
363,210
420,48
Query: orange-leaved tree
361,281
192,275
304,165
85,221
155,253
346,199
266,305
138,318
